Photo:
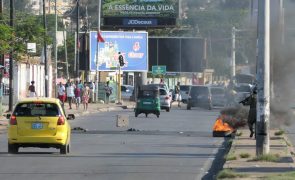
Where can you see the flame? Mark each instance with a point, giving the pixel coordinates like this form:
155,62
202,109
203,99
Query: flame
219,125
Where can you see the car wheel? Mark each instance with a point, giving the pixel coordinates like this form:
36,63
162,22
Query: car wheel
63,149
12,149
68,148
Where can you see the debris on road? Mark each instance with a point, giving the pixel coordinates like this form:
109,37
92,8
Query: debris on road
79,129
132,129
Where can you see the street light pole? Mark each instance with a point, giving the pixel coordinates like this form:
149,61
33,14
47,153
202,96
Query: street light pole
10,104
55,49
263,82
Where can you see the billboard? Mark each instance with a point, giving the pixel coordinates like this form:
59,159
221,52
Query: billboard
179,54
132,45
140,8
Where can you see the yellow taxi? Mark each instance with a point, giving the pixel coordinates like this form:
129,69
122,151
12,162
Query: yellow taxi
39,122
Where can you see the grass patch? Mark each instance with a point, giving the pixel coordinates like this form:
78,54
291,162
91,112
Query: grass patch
230,157
279,133
282,176
288,143
244,155
239,134
227,173
267,158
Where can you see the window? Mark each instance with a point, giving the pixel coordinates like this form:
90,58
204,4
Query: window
163,92
36,109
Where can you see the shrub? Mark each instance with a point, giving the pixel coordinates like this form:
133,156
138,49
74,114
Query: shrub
227,173
267,158
245,155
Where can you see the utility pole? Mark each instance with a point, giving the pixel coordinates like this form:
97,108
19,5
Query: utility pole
45,49
263,76
97,50
77,41
233,60
11,92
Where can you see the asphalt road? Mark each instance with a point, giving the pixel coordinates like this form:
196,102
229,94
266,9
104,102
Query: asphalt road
177,146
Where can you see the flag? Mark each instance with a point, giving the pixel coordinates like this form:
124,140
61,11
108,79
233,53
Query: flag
99,37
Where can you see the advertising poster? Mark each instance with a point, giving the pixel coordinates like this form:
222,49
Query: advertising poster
140,8
132,45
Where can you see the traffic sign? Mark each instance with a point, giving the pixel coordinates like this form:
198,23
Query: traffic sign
156,70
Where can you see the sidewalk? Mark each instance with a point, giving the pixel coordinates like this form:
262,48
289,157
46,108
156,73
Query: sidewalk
240,159
92,108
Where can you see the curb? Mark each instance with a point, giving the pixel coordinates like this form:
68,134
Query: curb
236,147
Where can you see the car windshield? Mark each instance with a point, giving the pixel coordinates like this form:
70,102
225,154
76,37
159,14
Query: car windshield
242,88
199,90
184,88
147,94
217,91
36,109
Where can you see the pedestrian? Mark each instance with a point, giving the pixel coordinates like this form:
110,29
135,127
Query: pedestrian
177,93
108,91
61,92
85,96
252,101
77,93
68,83
32,90
80,85
70,93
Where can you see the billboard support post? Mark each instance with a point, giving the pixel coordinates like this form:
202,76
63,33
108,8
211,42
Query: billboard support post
119,86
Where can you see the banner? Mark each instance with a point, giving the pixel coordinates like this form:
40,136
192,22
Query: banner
132,45
140,8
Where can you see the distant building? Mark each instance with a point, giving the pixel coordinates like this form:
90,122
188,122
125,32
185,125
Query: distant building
62,6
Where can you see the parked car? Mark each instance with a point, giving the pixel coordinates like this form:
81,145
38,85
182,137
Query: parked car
165,99
218,96
184,89
39,122
199,96
126,91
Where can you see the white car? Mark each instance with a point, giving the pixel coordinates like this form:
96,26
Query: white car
165,99
184,89
126,91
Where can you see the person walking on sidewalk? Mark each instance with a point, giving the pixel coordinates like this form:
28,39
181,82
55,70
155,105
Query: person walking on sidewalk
85,96
32,90
61,92
108,91
177,93
77,93
70,94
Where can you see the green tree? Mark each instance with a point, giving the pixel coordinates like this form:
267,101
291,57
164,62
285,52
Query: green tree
5,38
